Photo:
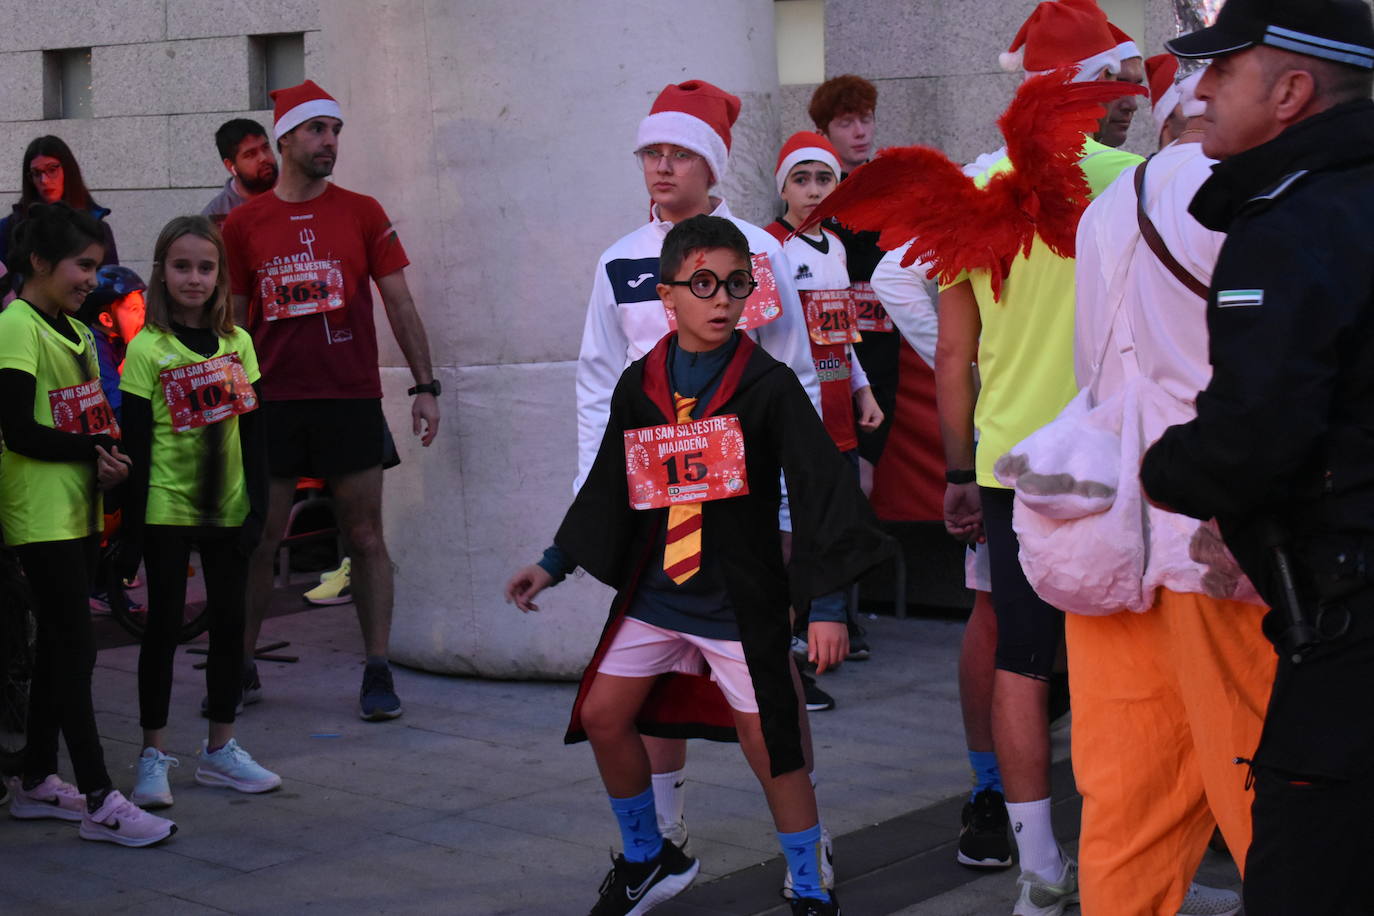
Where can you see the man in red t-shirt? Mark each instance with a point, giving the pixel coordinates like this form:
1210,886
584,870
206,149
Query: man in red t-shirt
300,261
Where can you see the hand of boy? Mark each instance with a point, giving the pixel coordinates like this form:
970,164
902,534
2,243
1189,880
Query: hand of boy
827,644
525,584
112,467
869,415
964,512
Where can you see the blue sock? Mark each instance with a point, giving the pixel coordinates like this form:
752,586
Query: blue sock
803,853
985,772
638,826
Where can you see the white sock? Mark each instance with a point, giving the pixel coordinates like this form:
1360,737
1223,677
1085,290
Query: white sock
670,796
1040,853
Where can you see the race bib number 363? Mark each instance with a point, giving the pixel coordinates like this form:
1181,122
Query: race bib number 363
868,310
207,392
83,409
763,305
298,288
680,463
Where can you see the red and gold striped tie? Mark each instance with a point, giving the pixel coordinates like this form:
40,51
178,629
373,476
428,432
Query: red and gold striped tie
682,548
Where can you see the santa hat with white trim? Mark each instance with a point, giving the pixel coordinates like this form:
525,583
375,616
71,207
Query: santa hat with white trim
693,115
1064,33
295,105
1160,72
1126,47
805,146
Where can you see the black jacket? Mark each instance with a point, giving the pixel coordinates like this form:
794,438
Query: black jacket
1284,434
835,538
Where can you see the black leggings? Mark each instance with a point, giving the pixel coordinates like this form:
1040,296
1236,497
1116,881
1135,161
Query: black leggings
60,574
166,551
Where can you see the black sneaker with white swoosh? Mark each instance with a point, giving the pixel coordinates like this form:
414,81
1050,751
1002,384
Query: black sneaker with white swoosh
633,888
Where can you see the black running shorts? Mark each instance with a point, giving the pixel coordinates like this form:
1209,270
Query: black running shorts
324,437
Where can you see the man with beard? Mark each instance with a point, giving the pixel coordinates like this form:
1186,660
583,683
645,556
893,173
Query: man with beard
252,167
300,260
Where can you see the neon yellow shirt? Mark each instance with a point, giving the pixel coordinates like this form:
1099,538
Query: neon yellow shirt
1025,349
46,500
196,476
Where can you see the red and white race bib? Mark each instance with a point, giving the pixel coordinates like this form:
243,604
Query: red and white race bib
83,409
868,310
830,316
207,392
680,463
297,288
763,305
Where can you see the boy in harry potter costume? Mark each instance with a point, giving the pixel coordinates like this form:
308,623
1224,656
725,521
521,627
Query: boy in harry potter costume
702,587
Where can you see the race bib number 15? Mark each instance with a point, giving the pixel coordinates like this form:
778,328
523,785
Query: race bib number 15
680,463
83,409
207,392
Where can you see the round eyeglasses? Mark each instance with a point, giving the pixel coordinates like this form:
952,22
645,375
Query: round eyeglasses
704,284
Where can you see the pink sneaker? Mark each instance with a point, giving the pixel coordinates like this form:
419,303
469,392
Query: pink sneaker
50,798
120,821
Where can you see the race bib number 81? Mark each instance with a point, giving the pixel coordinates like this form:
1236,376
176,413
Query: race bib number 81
83,409
763,305
680,463
207,392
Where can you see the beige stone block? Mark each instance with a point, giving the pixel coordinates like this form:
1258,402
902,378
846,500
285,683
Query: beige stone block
172,77
464,514
113,153
793,101
212,18
21,73
80,23
880,39
138,216
193,161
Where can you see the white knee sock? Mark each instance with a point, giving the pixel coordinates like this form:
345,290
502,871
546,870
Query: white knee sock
1040,854
669,797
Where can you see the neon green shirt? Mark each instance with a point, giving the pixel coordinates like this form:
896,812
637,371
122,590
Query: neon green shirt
46,500
1025,349
195,477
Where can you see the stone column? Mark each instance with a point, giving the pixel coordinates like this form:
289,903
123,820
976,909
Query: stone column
499,139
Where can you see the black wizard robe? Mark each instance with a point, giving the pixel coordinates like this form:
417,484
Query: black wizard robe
835,538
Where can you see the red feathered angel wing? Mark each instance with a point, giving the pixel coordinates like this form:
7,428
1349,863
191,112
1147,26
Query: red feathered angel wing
916,194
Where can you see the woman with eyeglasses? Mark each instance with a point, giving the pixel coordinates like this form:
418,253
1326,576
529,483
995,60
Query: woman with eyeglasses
49,173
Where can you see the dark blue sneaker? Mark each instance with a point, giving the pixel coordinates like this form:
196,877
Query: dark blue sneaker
377,701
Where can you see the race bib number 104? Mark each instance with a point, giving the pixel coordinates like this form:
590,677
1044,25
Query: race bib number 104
207,392
680,463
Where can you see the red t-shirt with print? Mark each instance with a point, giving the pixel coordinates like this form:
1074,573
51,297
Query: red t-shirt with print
306,270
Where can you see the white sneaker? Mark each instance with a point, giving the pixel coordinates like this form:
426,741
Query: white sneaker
118,820
1041,898
50,798
1209,901
232,766
827,868
676,833
152,789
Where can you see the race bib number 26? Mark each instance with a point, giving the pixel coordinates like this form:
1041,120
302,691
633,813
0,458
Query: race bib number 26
680,463
207,392
868,310
83,409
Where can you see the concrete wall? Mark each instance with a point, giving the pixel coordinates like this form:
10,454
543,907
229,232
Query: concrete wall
164,75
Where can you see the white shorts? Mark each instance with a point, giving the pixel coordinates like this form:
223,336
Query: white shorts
643,650
977,569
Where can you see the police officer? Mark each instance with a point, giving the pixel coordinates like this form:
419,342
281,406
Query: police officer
1282,450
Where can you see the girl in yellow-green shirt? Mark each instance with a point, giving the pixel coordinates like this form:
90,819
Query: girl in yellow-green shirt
200,481
60,452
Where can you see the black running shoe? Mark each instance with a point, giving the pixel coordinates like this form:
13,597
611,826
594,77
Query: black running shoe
810,906
377,700
632,888
859,650
817,700
983,839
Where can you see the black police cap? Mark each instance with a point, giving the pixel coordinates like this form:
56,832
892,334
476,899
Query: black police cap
1337,30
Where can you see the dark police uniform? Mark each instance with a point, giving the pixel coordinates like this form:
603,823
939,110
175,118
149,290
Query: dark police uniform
1283,448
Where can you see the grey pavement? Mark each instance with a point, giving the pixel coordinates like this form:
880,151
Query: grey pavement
471,803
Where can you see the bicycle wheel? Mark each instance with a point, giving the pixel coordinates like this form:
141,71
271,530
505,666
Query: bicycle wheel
133,617
17,630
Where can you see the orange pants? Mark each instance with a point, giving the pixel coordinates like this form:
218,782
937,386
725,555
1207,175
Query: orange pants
1163,703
